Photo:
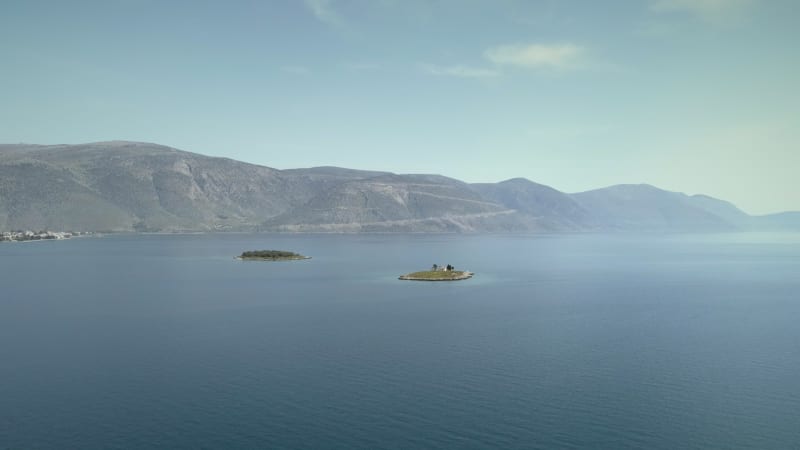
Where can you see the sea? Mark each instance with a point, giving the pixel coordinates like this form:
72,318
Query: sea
617,341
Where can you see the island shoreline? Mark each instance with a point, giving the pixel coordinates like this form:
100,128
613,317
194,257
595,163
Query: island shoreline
293,258
464,276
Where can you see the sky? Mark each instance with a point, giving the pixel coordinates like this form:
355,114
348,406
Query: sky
696,96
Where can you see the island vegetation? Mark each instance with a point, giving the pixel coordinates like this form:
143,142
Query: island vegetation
438,273
271,255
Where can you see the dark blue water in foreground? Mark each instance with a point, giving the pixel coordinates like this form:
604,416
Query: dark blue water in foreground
558,342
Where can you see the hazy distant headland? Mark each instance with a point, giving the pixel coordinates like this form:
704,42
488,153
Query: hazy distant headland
134,186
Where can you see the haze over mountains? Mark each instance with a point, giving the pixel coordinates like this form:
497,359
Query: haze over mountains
133,186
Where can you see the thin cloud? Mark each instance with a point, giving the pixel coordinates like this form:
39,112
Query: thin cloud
529,56
460,71
324,12
713,10
559,56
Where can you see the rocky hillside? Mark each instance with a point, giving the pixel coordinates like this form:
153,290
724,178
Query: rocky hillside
122,186
643,207
554,210
134,186
390,203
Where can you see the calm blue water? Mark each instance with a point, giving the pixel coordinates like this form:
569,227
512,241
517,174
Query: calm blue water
558,342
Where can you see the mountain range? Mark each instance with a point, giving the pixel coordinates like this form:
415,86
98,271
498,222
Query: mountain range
134,186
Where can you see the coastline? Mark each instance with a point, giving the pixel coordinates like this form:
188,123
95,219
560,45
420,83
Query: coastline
464,276
293,258
23,241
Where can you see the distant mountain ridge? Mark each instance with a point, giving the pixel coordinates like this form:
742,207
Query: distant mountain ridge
135,186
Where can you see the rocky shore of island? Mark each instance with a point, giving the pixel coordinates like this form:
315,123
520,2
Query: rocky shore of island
456,277
438,273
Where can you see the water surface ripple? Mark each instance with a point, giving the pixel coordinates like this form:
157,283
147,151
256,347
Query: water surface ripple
578,341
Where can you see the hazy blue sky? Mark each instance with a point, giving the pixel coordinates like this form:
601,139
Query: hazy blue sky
699,96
